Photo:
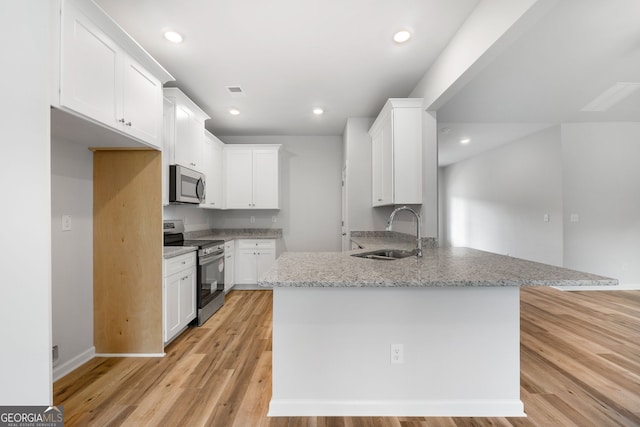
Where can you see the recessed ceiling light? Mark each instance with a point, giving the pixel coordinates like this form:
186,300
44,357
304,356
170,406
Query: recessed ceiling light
318,111
465,140
234,111
401,36
173,37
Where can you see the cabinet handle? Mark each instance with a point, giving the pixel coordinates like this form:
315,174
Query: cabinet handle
185,277
184,262
121,120
379,200
128,124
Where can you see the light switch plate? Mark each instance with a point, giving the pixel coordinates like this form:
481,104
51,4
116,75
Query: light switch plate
66,222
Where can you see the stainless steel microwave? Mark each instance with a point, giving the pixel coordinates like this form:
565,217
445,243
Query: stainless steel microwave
185,185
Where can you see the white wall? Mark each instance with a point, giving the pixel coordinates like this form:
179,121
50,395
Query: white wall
497,201
72,254
194,218
25,294
357,154
602,185
310,202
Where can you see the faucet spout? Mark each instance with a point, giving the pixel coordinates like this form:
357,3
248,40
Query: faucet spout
418,235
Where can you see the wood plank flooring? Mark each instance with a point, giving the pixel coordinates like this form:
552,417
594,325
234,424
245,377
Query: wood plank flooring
580,366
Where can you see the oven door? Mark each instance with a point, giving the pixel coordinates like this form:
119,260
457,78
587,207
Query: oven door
210,278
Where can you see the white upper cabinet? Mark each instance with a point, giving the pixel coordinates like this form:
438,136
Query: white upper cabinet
99,79
213,171
252,176
185,141
396,156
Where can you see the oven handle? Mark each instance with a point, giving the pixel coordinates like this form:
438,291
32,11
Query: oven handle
210,258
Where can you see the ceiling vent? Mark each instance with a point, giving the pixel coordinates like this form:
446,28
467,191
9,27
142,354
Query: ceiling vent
236,92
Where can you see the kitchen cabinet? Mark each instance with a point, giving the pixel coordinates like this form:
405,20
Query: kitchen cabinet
254,258
229,265
212,161
179,294
101,81
252,176
184,132
396,153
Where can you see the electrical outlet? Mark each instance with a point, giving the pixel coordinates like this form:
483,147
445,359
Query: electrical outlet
55,354
397,354
545,217
252,219
274,219
574,217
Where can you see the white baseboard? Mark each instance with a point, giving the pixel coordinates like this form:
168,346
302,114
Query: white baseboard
130,354
73,364
396,408
624,287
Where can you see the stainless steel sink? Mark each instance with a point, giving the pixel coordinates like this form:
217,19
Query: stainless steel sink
386,254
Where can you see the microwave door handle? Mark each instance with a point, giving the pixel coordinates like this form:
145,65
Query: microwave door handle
200,190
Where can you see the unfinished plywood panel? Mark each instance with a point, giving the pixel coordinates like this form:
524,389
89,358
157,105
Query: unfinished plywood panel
127,248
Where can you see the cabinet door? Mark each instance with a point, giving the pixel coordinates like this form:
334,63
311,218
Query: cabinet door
264,260
90,68
189,138
246,268
382,165
187,297
238,179
172,306
212,161
141,103
265,179
229,266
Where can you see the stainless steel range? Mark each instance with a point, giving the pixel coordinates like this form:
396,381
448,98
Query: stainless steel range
210,274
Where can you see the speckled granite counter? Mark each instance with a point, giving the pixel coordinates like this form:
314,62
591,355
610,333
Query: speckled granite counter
235,233
174,251
437,268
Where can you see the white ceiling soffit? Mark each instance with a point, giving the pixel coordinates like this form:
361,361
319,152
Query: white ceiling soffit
578,51
483,137
292,56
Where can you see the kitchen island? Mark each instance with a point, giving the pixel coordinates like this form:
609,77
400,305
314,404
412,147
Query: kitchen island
431,336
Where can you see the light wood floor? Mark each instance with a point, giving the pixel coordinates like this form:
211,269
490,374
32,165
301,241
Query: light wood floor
580,366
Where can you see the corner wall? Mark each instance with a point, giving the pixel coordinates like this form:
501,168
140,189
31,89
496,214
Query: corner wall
72,254
497,201
601,184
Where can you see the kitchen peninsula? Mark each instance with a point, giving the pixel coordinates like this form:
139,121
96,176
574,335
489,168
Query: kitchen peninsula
431,336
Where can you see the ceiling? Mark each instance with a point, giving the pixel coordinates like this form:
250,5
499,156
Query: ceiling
570,56
290,56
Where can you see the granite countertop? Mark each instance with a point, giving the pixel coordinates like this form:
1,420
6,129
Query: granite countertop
174,251
437,268
227,234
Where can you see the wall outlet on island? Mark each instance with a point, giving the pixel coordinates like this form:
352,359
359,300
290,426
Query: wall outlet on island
274,219
252,219
397,354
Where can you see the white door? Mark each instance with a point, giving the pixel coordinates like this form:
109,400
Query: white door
141,103
265,179
246,268
187,298
91,69
172,306
238,179
264,260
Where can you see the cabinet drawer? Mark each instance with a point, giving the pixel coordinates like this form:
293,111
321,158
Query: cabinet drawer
179,263
257,244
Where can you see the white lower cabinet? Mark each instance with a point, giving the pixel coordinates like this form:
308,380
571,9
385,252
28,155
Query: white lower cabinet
179,294
229,265
254,257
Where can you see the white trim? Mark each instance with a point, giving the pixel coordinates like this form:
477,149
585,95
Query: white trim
73,364
130,354
397,408
625,287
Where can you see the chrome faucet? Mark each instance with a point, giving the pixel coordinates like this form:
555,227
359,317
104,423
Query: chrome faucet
418,236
